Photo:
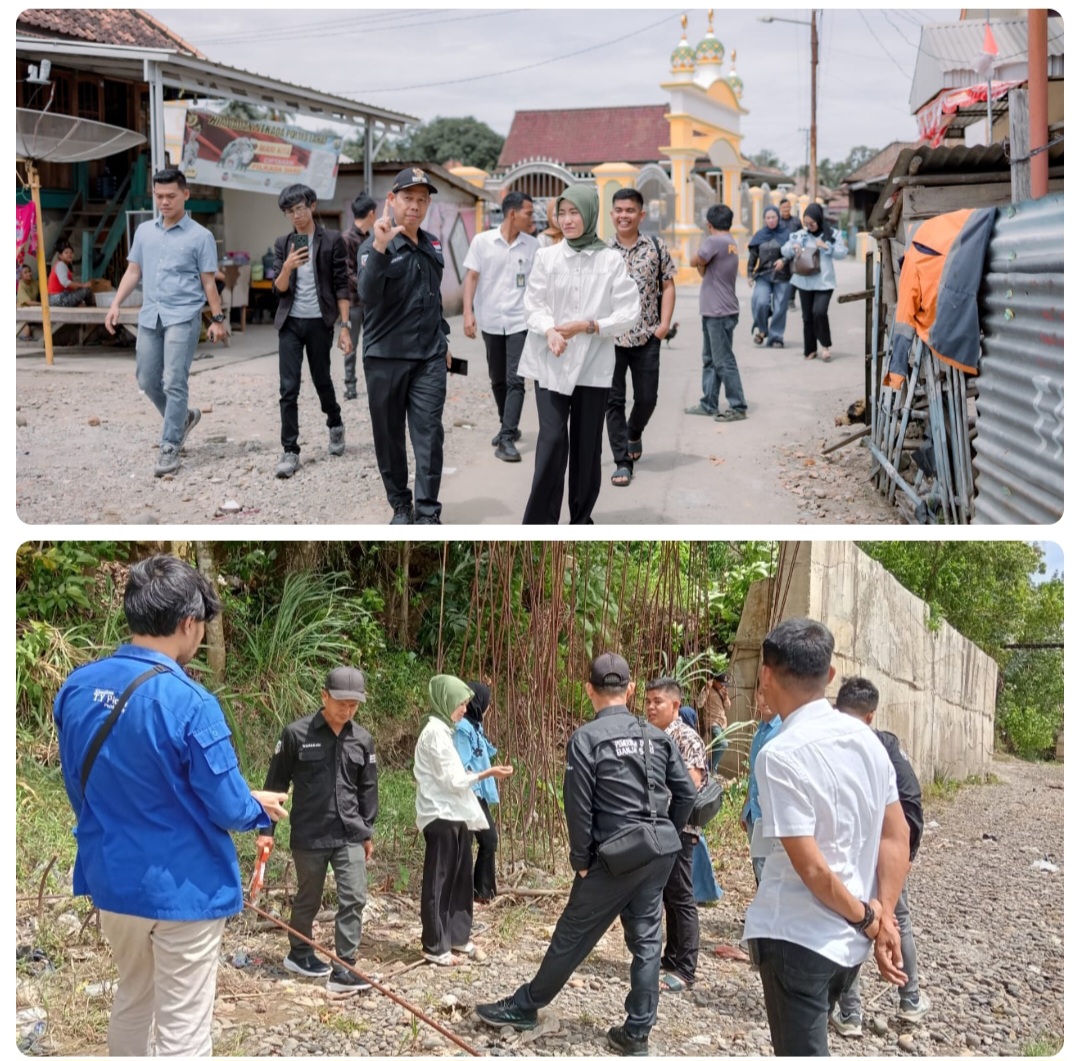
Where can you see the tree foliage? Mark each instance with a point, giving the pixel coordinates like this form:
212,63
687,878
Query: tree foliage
465,140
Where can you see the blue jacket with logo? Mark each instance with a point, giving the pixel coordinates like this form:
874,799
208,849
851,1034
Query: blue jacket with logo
476,752
165,791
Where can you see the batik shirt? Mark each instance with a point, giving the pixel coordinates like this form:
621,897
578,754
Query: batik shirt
692,749
645,267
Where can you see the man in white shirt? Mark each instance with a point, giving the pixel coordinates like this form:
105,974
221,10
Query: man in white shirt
839,849
497,269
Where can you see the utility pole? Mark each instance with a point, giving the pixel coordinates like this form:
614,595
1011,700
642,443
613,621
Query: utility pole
813,105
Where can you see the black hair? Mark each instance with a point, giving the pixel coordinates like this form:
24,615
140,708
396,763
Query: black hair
611,689
362,205
61,246
629,193
294,195
720,217
859,696
515,201
666,685
799,649
170,175
783,201
162,591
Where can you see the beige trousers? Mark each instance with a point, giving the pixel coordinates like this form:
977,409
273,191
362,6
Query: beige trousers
164,1001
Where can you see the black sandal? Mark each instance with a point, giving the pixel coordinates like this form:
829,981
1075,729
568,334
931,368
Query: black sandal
633,448
622,475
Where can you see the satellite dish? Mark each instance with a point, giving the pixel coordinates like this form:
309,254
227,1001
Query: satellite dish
45,137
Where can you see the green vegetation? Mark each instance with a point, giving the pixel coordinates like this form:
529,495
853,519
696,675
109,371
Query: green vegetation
1044,1046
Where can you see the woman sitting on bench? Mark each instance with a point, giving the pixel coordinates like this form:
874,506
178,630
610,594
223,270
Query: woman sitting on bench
64,289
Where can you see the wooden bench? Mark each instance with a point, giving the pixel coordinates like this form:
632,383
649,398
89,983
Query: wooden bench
86,317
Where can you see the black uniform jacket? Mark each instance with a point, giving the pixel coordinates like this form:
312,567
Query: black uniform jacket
402,299
604,788
907,788
335,782
327,251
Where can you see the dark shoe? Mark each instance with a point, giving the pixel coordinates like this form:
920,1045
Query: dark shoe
168,460
337,440
504,1014
193,417
350,394
307,966
729,415
286,467
622,1042
516,437
343,982
507,451
428,521
700,410
403,516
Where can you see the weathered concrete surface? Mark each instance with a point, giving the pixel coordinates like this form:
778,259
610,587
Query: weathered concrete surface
937,688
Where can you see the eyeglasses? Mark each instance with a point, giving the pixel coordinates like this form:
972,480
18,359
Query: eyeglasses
297,211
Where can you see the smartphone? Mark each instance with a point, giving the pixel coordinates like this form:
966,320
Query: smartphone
458,366
300,241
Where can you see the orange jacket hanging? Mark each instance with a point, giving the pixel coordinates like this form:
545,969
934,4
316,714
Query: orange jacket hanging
939,288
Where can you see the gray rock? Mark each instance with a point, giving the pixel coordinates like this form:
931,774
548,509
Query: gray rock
907,1044
20,420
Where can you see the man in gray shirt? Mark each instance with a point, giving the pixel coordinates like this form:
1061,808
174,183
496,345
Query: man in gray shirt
176,259
717,260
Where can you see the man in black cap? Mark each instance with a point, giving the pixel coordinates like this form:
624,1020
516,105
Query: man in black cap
330,761
614,779
399,272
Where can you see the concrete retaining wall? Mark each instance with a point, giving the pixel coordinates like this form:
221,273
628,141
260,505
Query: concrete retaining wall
938,689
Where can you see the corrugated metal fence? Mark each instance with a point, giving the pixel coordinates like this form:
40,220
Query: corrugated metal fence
1020,446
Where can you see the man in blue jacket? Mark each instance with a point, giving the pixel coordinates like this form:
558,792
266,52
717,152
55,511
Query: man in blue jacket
154,803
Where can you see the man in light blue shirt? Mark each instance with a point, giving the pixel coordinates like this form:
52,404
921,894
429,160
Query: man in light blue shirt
176,259
768,727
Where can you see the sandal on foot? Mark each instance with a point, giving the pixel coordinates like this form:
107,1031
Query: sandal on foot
622,475
826,355
633,448
671,982
810,357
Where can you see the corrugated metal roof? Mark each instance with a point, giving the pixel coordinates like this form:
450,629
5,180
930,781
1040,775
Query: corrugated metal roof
1019,457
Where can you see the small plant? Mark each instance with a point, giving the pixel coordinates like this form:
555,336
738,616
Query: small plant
1043,1046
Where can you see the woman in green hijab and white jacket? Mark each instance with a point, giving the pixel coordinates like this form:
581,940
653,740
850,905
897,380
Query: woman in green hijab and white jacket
579,298
447,813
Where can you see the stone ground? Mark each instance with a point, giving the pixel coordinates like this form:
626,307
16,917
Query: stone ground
989,927
86,441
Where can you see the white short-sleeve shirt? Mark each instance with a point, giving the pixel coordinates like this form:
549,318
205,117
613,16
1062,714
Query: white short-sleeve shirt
825,775
504,270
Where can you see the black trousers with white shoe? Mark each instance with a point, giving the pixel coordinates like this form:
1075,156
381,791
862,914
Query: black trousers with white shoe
446,893
297,335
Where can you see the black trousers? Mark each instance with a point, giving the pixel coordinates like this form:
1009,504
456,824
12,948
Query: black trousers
681,913
644,365
446,893
297,335
571,430
815,319
356,326
800,987
503,358
403,390
595,901
487,843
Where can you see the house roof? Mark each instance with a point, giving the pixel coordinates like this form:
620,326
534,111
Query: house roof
588,135
878,167
103,26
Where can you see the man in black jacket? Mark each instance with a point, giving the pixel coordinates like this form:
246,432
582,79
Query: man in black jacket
858,697
363,209
611,783
312,288
406,358
330,761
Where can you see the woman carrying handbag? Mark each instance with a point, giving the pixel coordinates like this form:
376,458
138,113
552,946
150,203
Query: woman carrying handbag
812,251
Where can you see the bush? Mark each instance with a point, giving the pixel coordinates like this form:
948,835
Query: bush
1030,731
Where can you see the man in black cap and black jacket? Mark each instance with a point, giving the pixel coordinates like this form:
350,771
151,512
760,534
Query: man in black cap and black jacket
612,781
406,358
330,761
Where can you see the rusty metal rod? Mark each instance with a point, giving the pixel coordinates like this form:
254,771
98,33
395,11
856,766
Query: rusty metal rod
419,1014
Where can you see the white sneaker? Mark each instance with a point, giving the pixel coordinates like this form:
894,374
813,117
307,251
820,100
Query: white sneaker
850,1028
913,1012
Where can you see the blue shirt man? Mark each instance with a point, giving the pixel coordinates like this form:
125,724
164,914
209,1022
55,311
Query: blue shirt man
767,728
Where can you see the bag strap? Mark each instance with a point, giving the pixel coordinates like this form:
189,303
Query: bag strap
645,741
114,717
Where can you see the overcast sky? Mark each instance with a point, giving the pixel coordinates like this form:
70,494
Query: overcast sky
416,61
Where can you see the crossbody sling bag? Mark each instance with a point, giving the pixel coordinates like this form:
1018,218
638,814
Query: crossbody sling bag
110,722
659,279
637,844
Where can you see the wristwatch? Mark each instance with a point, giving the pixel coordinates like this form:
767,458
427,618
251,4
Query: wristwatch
345,325
867,918
591,328
218,318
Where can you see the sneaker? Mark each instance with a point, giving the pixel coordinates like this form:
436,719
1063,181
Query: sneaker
729,415
286,467
307,966
507,451
168,460
468,949
622,1042
403,516
913,1012
193,417
337,440
504,1014
700,410
344,982
350,394
847,1027
515,438
431,520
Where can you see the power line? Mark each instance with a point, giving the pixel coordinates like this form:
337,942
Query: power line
335,25
899,31
892,59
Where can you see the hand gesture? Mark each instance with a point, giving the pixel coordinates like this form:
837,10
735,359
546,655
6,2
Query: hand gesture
272,804
264,843
112,318
385,230
297,256
821,243
501,773
556,343
470,325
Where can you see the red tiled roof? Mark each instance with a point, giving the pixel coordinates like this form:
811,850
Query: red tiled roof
588,136
103,26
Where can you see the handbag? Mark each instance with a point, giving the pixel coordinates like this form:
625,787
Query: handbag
710,799
637,844
804,263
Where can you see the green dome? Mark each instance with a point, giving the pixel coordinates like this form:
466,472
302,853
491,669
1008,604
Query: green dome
682,58
710,50
736,84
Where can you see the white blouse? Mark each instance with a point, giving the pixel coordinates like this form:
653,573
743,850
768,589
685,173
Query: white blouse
443,785
567,285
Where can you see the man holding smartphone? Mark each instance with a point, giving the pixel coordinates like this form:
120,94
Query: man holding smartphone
406,355
312,288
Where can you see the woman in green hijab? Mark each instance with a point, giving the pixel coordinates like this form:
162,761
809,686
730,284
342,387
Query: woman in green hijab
579,298
447,813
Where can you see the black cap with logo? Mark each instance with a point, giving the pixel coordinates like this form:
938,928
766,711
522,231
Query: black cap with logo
410,178
609,670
